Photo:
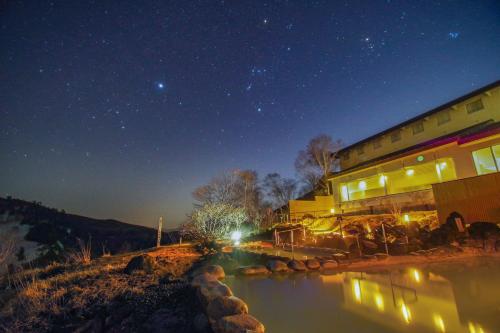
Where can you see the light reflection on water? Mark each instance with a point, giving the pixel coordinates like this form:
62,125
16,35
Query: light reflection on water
462,297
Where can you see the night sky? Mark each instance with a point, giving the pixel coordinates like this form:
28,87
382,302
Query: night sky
119,109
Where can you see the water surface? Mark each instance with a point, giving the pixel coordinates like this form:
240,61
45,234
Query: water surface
458,297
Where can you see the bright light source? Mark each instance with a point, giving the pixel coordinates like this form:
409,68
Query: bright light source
406,218
410,172
382,179
362,185
332,210
236,236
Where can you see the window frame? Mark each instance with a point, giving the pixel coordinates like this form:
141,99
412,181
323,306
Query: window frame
441,121
477,101
417,127
397,135
493,157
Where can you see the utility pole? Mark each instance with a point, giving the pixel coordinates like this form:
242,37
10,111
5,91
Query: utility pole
158,237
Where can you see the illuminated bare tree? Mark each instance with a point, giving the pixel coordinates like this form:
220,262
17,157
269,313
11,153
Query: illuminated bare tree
214,221
317,161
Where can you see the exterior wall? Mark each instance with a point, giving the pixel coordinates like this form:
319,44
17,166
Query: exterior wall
321,205
475,198
460,155
459,119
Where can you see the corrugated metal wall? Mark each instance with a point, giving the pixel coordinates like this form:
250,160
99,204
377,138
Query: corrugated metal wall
475,198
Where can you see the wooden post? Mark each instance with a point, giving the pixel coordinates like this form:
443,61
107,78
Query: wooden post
158,237
359,247
385,239
291,237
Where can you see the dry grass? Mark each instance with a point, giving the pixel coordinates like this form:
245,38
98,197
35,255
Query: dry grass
64,296
84,253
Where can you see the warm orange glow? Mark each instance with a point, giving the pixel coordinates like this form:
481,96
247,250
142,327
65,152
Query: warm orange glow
439,322
416,276
406,313
379,302
357,290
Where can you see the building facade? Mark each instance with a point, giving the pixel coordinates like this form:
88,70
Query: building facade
398,166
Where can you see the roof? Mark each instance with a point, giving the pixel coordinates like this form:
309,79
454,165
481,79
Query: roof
468,134
426,114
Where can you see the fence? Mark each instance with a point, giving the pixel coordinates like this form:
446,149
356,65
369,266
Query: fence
475,198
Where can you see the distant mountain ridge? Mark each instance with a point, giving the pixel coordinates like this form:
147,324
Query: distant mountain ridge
42,234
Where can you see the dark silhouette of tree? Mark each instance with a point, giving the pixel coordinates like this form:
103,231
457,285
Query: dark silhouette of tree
279,190
317,161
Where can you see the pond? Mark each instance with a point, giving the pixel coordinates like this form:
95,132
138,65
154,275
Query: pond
454,297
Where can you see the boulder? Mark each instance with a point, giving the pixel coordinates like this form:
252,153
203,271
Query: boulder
329,264
216,271
252,270
313,264
369,244
381,256
241,323
211,290
277,266
203,278
297,265
225,306
140,263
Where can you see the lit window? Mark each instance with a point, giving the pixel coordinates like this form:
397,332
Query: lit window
395,136
484,160
474,106
361,150
377,143
443,117
418,127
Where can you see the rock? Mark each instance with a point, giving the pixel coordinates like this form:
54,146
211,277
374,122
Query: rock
339,257
202,279
212,289
369,244
313,264
369,257
140,263
216,270
277,266
297,265
225,306
200,323
329,264
252,270
483,230
241,323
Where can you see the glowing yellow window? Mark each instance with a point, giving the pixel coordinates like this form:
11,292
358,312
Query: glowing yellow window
485,161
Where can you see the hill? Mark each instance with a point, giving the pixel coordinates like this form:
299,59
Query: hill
41,234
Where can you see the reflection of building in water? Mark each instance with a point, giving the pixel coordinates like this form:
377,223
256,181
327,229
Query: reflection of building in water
419,301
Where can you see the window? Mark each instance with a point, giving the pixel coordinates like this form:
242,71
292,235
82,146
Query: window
396,136
443,117
361,150
418,127
474,106
377,143
486,160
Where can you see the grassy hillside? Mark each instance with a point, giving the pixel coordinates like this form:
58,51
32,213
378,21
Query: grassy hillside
57,232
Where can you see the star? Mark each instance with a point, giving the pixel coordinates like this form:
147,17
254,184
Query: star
160,85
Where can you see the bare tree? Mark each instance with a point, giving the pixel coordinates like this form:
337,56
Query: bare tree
214,221
317,161
237,188
280,190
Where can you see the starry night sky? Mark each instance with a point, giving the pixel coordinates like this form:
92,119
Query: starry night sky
119,109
